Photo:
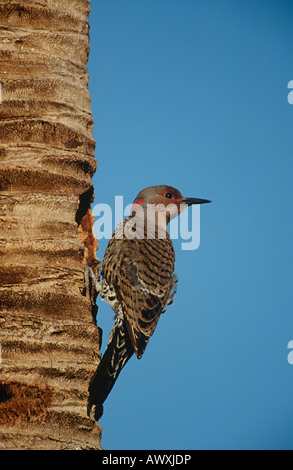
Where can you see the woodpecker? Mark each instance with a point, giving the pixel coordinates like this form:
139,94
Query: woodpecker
138,282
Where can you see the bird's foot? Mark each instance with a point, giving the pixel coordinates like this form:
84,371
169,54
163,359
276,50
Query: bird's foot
90,279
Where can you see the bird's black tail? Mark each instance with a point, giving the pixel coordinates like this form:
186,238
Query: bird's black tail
118,352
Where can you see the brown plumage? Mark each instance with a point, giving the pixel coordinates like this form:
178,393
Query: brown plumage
138,281
141,272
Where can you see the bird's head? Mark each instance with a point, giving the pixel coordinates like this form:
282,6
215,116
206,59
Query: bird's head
164,199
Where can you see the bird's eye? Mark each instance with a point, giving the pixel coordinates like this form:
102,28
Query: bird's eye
169,195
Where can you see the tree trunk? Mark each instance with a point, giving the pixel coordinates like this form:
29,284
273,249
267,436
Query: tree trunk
49,341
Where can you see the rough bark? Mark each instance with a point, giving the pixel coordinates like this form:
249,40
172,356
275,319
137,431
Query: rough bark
48,338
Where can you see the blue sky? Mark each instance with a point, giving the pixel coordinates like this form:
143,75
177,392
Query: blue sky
193,93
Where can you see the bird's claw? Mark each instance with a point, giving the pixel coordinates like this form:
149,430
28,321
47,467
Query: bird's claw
90,279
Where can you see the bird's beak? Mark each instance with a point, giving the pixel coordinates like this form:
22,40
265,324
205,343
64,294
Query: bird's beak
193,200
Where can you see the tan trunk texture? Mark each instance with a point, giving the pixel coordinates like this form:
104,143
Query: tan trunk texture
49,341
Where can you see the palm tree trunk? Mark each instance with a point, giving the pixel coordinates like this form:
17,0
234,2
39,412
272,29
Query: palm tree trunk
49,342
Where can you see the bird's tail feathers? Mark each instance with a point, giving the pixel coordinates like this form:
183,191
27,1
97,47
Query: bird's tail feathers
118,352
